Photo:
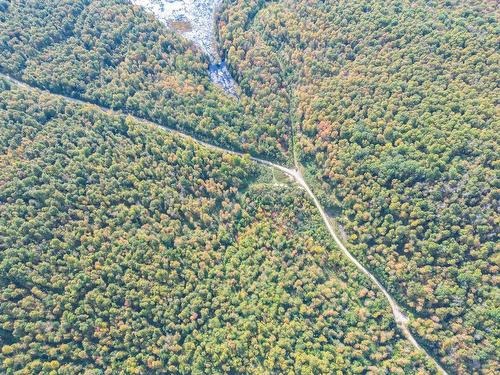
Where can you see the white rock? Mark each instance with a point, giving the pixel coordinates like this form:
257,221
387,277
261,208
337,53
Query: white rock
200,16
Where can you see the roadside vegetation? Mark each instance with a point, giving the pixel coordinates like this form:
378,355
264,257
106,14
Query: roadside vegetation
393,104
126,249
116,55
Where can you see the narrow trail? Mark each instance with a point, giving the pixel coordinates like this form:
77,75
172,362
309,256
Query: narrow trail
401,319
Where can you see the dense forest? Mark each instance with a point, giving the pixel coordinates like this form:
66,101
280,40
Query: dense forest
393,104
116,55
126,250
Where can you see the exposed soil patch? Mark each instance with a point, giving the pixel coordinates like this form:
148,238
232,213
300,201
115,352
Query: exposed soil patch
180,26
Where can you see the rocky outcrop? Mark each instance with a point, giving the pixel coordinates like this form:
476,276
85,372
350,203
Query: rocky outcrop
194,19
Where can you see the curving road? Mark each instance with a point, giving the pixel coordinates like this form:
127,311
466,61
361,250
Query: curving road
400,318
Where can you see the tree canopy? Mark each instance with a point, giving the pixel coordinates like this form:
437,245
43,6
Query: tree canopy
126,249
116,55
394,108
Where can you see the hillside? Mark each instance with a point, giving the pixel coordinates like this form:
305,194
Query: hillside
126,249
393,104
153,222
116,55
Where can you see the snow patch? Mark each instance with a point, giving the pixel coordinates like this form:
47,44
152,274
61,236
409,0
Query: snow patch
199,14
194,19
